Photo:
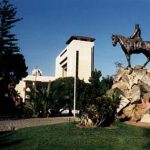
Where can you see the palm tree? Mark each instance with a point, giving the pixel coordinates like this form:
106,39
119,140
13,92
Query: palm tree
40,99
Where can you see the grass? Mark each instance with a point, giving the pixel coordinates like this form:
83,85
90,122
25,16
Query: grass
68,137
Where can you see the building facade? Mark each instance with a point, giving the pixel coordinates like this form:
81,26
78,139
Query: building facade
26,84
76,59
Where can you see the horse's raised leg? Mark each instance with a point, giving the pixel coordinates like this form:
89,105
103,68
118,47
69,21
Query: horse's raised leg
128,60
148,59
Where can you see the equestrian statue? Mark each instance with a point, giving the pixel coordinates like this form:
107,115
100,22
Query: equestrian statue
133,45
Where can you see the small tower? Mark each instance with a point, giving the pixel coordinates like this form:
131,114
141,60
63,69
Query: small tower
36,72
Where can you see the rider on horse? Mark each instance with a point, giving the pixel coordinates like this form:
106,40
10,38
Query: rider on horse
133,45
137,36
137,33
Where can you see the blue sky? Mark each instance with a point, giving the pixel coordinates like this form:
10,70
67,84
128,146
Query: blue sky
48,24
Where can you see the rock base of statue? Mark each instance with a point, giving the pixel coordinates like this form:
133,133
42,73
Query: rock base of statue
133,84
146,118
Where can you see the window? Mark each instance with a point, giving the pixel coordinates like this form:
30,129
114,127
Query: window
63,52
63,61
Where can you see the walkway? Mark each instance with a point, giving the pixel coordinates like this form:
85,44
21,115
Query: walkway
8,125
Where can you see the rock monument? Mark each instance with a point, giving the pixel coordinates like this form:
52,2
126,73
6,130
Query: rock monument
133,84
134,89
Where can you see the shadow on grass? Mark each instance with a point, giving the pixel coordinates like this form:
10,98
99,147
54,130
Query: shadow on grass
6,141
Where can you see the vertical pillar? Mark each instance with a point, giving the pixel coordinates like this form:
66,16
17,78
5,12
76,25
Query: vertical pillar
92,59
75,81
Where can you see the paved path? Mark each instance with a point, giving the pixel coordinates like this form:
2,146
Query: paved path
8,125
139,124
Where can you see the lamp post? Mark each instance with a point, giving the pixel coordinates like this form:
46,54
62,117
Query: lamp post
75,80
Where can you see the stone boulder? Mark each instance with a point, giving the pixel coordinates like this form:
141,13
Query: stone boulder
133,84
146,118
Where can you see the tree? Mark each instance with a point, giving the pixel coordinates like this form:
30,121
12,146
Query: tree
83,95
106,84
12,62
95,83
99,87
40,99
62,94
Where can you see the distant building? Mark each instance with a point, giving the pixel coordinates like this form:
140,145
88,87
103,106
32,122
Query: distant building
77,58
28,82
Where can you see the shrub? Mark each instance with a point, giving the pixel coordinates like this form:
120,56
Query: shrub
102,110
27,111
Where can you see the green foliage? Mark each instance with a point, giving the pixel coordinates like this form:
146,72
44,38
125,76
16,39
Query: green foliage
105,84
95,78
102,110
12,62
95,84
99,87
101,107
62,93
27,111
83,94
40,99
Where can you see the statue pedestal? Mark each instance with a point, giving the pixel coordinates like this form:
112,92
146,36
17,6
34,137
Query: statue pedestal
146,118
134,86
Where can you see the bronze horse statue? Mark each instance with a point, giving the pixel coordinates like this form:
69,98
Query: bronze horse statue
131,46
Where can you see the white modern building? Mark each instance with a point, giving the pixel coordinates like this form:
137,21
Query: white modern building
77,58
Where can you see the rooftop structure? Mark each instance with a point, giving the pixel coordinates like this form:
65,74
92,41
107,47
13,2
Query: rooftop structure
80,38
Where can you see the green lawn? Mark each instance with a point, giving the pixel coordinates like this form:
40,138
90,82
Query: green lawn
68,137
